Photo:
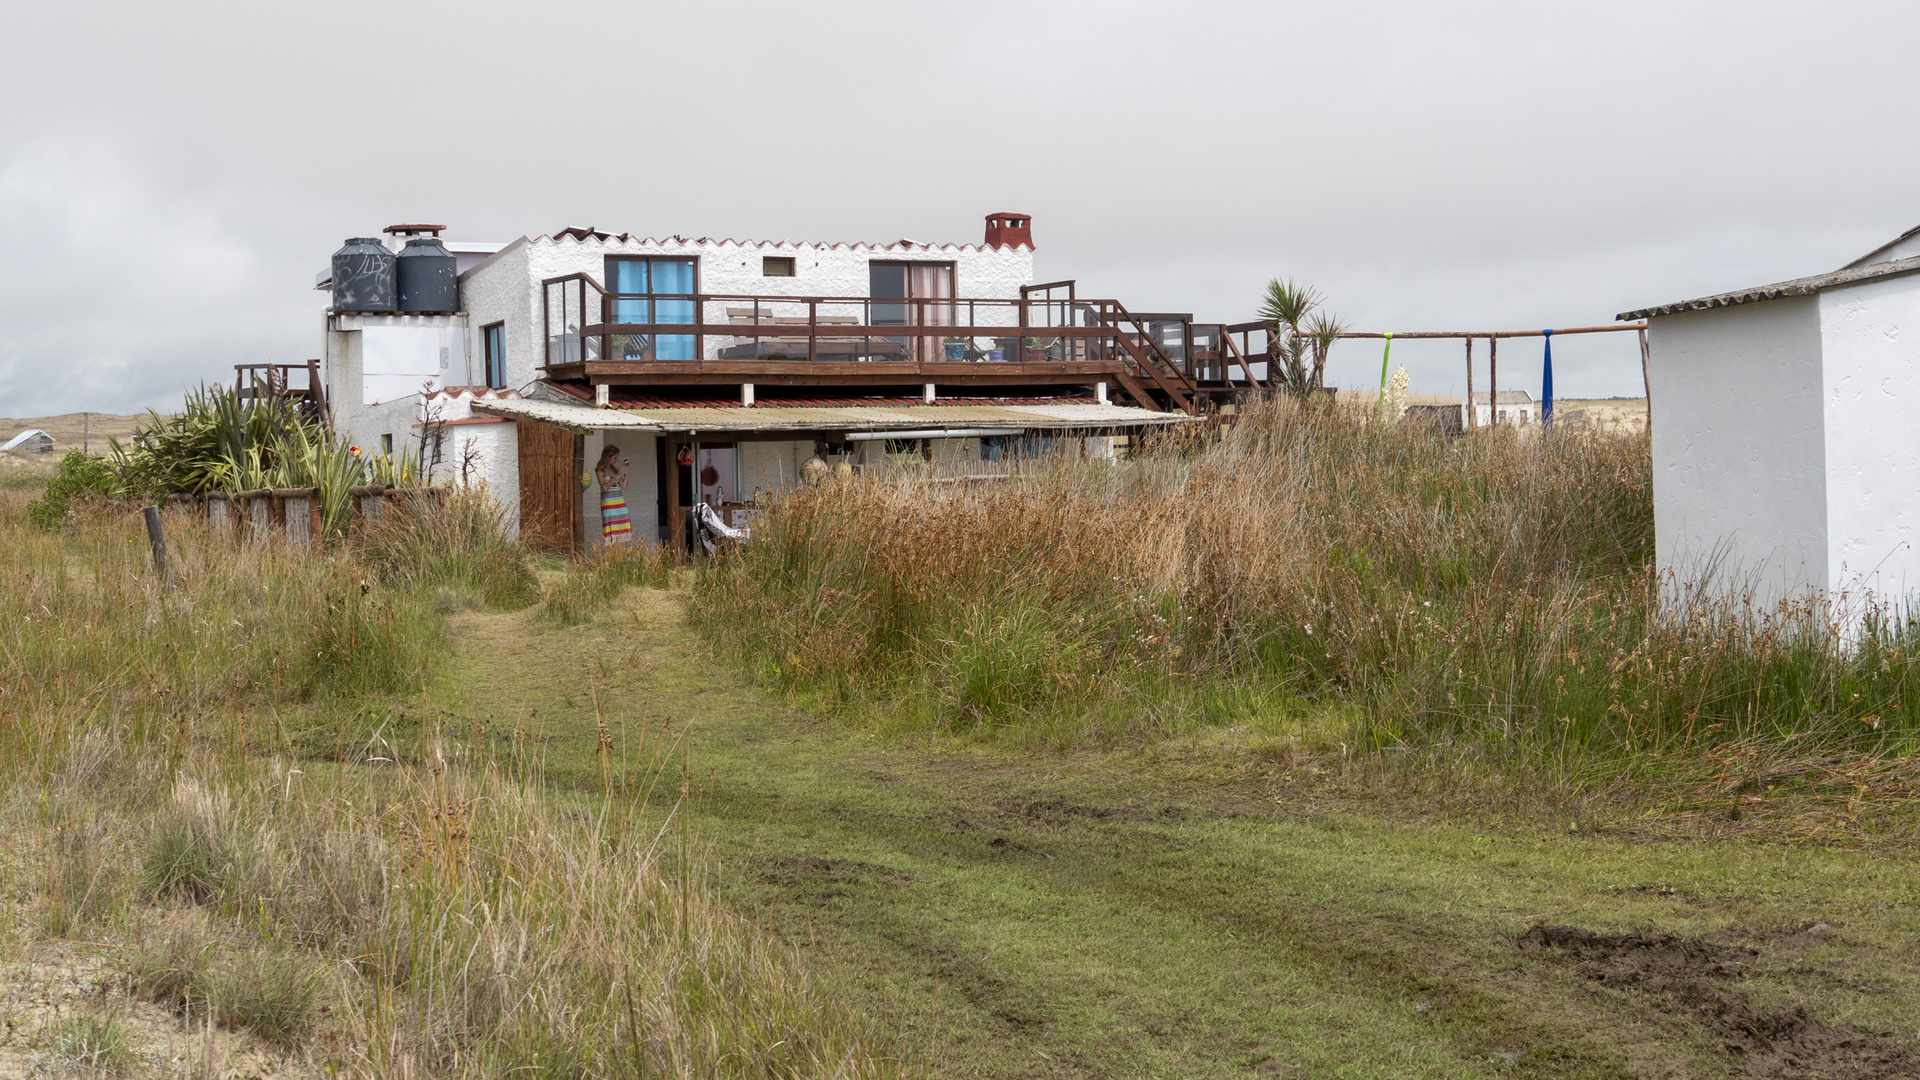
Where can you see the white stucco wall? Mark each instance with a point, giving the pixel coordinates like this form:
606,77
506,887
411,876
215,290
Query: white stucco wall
1521,413
495,462
506,286
1739,446
502,289
1870,343
371,361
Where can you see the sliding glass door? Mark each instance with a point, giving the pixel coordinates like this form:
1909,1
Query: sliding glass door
911,294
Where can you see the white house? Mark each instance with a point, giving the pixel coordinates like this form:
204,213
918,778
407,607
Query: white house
1516,407
1786,459
727,363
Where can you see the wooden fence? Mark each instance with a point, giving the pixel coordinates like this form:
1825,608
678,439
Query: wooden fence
293,516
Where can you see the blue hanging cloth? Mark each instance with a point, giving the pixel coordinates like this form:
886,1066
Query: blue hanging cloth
1546,385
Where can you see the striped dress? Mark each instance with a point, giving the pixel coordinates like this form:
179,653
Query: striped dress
616,525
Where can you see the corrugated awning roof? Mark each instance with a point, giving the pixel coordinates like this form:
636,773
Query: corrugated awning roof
778,418
1797,287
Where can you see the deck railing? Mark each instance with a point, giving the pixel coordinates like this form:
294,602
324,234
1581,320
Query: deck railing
586,324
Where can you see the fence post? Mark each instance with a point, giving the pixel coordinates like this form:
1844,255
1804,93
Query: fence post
158,541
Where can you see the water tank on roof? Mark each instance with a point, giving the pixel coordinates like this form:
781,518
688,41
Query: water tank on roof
429,280
363,274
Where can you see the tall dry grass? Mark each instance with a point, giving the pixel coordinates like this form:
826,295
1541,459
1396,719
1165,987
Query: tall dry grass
400,905
1490,594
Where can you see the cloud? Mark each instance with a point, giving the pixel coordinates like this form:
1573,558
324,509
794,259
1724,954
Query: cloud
116,289
171,176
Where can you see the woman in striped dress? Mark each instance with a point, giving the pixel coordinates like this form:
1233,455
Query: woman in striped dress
616,524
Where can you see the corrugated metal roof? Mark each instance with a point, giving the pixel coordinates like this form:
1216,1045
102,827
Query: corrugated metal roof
1805,286
25,437
904,417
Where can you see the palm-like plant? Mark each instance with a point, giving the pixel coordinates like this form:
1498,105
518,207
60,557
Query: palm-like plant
1297,356
1323,330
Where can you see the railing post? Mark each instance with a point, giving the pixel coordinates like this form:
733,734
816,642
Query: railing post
1493,381
813,330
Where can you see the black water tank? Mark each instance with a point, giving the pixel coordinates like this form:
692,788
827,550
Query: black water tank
363,273
428,277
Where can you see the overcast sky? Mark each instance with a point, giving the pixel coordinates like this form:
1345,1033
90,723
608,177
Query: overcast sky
172,175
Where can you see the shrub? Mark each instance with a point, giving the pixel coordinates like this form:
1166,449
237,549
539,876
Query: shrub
457,549
272,993
82,477
92,1042
190,855
170,965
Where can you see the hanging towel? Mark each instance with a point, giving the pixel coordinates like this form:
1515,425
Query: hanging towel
1384,353
1546,384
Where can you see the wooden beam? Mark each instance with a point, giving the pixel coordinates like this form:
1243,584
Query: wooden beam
1138,392
676,516
1472,412
1493,382
1496,333
1646,381
1166,387
1245,367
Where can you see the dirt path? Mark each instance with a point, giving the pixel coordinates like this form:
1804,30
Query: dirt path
1172,911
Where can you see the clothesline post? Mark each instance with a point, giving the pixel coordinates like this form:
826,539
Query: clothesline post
1471,421
1493,382
1646,383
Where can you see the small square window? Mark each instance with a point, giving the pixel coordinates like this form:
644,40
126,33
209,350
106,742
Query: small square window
776,266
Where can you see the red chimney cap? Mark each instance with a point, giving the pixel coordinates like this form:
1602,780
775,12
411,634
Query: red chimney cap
1007,228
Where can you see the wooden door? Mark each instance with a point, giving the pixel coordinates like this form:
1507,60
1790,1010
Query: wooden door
550,467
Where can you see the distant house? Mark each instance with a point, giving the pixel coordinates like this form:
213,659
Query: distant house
1785,456
1516,407
30,441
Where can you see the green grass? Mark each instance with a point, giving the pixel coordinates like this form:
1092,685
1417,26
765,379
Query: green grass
94,1044
244,787
1485,603
1226,903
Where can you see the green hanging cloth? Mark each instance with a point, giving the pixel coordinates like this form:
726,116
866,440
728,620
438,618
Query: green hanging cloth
1384,353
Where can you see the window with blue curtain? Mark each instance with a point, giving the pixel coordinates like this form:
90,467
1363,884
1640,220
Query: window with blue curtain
652,290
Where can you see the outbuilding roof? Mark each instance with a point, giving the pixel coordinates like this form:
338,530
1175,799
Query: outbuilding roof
26,437
1507,397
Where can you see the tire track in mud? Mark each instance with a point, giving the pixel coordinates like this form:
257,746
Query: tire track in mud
1702,978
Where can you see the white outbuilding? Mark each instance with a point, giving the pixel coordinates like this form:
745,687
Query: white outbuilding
1786,457
30,441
